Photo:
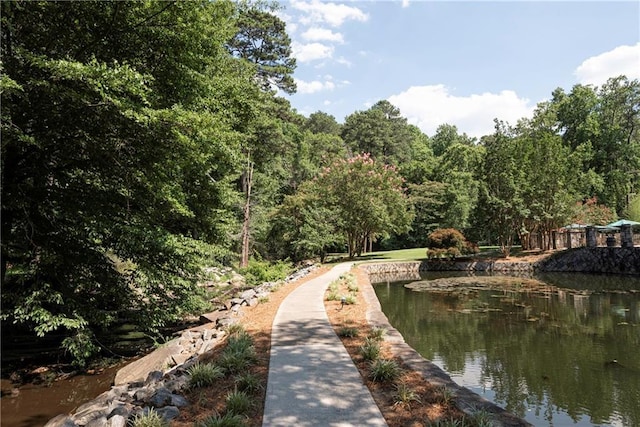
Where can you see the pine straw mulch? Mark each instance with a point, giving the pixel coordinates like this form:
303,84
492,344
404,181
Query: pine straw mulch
432,407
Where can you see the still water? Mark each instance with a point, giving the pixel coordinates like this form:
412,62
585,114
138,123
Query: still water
561,352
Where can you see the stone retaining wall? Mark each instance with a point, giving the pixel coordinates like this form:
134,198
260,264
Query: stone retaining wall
594,260
579,260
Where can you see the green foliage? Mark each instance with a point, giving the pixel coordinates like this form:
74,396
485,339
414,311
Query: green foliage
262,40
377,334
348,332
149,418
448,242
350,299
238,355
107,154
370,349
633,210
204,375
405,395
384,370
81,347
258,272
248,382
446,395
226,420
367,198
238,403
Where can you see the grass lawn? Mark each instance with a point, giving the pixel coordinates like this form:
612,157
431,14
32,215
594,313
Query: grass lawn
418,254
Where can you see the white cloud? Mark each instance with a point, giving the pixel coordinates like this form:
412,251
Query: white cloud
311,51
430,106
405,3
330,13
344,61
621,60
314,86
322,34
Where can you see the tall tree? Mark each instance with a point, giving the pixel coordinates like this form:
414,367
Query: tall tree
380,131
261,38
367,198
502,200
116,178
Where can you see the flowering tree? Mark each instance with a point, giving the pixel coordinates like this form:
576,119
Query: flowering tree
366,197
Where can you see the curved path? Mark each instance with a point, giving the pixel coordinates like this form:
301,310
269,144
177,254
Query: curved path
312,379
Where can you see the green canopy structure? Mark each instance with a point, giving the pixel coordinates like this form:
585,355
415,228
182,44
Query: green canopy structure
622,222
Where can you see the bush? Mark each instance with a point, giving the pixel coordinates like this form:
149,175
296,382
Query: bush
248,382
204,374
348,332
404,395
370,350
227,420
149,419
262,271
449,242
238,402
383,370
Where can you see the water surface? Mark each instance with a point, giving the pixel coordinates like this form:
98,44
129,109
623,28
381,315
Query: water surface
564,354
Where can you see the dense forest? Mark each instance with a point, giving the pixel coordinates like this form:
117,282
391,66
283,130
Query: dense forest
143,141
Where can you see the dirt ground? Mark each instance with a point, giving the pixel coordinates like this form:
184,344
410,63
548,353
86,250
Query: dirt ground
431,405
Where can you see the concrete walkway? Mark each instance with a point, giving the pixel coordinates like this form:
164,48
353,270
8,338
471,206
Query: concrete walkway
312,379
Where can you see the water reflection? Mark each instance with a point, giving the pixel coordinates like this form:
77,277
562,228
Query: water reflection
567,354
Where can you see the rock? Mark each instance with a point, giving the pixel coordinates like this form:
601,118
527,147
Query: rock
169,412
117,421
139,370
90,412
118,408
179,359
248,294
237,301
210,317
101,421
142,395
153,377
162,397
61,421
224,322
178,401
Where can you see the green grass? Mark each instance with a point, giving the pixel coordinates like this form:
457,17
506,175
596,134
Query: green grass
420,254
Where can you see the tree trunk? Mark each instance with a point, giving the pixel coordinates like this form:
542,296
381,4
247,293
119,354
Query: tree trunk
244,258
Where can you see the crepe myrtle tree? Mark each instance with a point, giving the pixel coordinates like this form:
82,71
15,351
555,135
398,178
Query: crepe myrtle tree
367,198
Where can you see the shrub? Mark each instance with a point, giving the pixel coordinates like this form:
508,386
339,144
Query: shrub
227,420
370,350
258,272
383,370
248,382
350,299
238,402
377,334
404,395
204,374
348,332
149,419
448,242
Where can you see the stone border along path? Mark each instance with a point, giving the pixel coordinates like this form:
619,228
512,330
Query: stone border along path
312,379
158,379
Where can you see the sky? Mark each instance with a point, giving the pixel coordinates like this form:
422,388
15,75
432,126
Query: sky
457,62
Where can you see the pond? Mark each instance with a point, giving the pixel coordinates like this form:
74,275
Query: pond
562,351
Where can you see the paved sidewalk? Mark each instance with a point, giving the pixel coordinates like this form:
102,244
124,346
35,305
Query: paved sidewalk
312,379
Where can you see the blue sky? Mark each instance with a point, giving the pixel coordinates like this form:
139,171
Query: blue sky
457,62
